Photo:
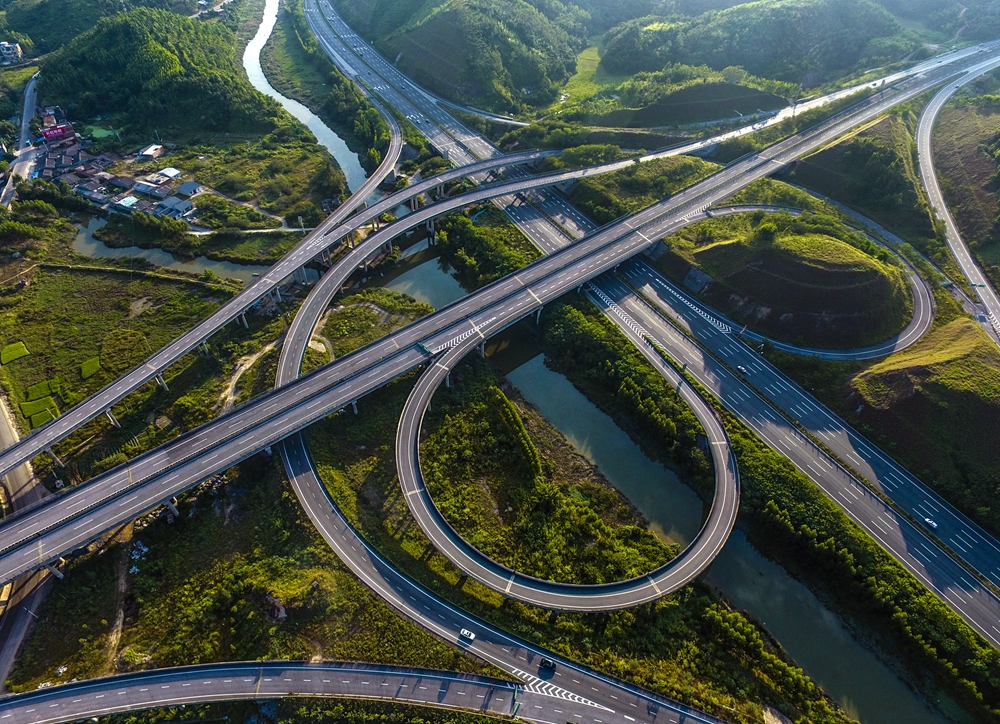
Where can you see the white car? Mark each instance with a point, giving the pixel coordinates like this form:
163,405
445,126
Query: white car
467,635
930,523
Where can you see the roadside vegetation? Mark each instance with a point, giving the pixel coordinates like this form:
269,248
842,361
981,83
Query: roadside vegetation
511,486
932,407
874,171
790,519
298,710
483,248
241,574
299,68
689,645
611,196
805,279
966,144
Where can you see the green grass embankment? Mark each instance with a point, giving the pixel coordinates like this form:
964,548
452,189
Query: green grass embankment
934,407
965,144
807,280
611,196
874,171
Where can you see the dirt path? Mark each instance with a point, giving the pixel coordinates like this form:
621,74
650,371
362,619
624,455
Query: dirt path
115,637
228,398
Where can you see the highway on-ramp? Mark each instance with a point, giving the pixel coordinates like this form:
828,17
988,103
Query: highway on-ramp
675,574
925,132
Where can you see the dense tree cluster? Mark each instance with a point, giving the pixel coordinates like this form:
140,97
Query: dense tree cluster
155,69
782,39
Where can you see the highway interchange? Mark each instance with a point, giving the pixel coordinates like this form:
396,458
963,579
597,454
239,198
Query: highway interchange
270,419
44,534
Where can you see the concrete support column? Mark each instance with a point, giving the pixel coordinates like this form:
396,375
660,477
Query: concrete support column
172,508
162,383
538,315
268,450
482,348
243,318
112,418
277,293
204,348
55,458
354,406
447,380
54,571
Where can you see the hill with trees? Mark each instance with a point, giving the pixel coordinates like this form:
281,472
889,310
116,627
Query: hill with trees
42,26
799,41
152,68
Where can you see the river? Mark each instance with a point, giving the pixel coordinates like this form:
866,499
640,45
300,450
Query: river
347,159
86,244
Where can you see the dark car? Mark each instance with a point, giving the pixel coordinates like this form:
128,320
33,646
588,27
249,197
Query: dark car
547,664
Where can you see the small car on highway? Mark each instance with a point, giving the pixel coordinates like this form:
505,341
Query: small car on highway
931,523
742,370
547,664
467,636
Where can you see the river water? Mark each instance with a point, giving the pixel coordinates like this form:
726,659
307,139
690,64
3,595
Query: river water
347,159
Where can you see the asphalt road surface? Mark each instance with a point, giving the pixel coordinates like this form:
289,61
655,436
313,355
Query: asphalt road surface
959,250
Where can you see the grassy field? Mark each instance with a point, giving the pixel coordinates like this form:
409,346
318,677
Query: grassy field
240,575
590,78
793,279
215,212
968,178
369,315
693,104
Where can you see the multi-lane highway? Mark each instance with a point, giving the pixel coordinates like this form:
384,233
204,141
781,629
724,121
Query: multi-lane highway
768,402
52,530
925,131
916,328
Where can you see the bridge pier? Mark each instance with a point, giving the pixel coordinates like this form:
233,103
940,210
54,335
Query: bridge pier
162,383
243,318
277,293
55,458
269,451
447,379
430,226
55,571
172,508
482,349
538,315
204,348
112,418
354,406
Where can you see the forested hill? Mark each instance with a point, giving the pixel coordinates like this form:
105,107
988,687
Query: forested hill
154,69
44,25
491,52
790,40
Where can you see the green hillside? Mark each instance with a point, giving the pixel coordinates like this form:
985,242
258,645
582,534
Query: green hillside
799,41
794,279
153,68
44,25
938,403
486,52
